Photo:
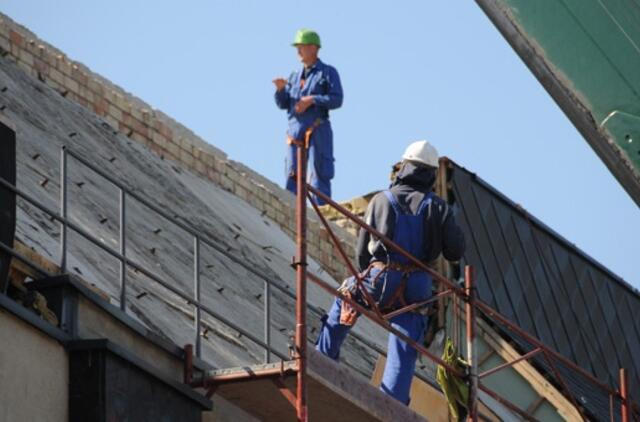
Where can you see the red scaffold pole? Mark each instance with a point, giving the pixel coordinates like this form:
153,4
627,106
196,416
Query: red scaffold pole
624,406
469,287
301,283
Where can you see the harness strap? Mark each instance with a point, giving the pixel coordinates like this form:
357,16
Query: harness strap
428,198
405,269
397,266
398,294
393,202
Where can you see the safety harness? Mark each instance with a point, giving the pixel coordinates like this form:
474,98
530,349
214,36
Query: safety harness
348,315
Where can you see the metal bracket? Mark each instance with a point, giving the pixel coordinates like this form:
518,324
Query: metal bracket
295,264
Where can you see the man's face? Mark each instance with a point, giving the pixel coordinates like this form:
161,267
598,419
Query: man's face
307,53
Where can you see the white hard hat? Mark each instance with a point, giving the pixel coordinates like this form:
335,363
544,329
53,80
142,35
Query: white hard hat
422,152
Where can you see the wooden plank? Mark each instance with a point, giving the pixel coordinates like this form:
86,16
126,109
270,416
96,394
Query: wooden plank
20,271
26,271
335,393
425,400
428,401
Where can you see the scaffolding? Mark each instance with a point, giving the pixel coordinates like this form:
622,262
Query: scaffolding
467,294
296,365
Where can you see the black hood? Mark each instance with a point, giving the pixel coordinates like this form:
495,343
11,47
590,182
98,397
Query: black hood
416,176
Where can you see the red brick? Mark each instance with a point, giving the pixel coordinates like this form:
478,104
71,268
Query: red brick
140,138
213,175
96,87
157,149
32,47
41,66
170,156
100,106
16,38
83,102
159,139
124,128
163,129
136,124
146,116
79,75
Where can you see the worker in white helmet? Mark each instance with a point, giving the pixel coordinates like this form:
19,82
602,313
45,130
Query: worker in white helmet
411,215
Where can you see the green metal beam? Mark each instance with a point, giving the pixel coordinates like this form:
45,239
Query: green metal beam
586,53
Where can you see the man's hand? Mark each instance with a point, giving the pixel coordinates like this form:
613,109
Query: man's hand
280,83
304,104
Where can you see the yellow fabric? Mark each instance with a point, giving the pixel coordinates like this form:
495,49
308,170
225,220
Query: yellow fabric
455,390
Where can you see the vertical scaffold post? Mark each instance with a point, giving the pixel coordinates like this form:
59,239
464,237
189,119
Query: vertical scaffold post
188,364
267,321
624,399
469,284
301,283
197,317
63,209
123,250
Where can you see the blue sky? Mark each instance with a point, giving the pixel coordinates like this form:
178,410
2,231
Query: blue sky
411,70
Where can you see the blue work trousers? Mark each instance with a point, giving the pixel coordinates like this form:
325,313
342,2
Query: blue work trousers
321,170
401,357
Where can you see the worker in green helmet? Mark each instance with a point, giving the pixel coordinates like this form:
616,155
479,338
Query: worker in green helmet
307,96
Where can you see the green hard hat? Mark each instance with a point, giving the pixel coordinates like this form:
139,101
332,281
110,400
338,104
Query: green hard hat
307,36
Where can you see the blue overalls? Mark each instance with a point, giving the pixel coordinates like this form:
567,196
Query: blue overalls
322,82
401,358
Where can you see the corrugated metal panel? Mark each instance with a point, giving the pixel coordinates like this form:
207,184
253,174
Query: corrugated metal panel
550,288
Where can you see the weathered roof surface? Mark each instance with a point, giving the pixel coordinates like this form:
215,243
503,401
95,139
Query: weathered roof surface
548,286
587,56
45,121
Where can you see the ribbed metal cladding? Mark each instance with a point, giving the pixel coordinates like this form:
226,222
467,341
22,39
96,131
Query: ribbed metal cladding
549,287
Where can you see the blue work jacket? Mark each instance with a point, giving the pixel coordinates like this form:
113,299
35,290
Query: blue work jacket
323,84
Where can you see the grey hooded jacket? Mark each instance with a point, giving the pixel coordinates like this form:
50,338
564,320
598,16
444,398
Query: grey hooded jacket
442,233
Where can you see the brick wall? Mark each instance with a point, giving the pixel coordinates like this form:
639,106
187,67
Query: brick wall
159,132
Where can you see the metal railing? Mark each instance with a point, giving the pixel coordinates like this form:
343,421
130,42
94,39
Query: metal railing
125,262
271,287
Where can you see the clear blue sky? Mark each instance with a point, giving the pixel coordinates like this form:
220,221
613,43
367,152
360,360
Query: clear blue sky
437,70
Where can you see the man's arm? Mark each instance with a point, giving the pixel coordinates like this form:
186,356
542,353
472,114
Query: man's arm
333,99
380,216
362,251
282,97
453,238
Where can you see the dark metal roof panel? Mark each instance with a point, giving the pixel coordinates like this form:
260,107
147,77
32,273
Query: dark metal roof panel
548,286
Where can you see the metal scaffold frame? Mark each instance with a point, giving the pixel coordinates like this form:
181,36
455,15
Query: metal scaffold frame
468,295
298,366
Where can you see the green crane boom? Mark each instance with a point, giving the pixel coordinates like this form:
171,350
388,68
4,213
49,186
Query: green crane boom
586,53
